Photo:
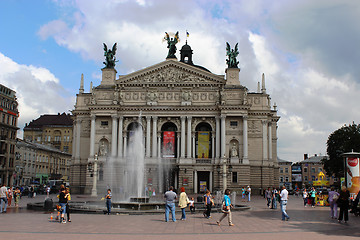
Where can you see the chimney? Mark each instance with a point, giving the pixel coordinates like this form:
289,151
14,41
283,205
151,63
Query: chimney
305,156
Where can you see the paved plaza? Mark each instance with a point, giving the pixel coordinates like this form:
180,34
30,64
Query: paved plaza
257,223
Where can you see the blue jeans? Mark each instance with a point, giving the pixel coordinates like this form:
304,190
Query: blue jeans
274,203
63,208
3,201
170,207
108,206
283,210
183,215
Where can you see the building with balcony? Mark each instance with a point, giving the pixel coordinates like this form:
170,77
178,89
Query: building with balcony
8,129
202,130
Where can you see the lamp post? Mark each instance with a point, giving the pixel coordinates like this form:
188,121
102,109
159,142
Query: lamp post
94,191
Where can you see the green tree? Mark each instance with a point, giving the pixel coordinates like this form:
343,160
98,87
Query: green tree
345,139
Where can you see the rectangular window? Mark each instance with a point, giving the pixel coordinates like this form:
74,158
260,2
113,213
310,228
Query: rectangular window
313,170
104,123
305,178
312,178
234,177
305,169
66,148
281,179
286,179
286,170
233,123
281,170
320,169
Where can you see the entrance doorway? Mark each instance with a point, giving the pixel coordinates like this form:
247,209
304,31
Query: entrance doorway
203,181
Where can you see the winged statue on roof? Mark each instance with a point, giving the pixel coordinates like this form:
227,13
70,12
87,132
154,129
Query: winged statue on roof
232,54
109,54
172,40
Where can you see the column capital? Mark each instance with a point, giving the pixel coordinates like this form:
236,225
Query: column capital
148,118
114,116
154,118
245,117
223,116
78,120
182,118
121,117
189,118
217,117
264,122
92,116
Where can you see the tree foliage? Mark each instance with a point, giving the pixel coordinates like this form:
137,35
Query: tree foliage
345,139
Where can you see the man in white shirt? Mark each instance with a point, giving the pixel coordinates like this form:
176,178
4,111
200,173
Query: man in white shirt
3,198
284,195
249,193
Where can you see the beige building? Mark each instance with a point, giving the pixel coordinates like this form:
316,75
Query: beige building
311,167
204,130
53,129
285,175
39,163
8,129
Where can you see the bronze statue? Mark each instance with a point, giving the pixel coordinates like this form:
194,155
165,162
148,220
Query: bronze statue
232,53
171,44
110,58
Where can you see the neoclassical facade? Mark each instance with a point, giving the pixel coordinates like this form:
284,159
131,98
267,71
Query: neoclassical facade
204,130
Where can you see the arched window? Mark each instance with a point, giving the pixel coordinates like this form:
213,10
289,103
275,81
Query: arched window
169,140
203,140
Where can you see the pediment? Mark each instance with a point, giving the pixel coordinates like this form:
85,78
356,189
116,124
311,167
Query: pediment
171,72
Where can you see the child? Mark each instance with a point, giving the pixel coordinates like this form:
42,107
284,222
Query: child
192,205
108,201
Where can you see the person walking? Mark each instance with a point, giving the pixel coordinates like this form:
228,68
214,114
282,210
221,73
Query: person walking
62,202
312,194
183,202
268,197
9,196
68,196
284,196
108,197
17,195
343,203
305,196
248,190
333,197
170,197
209,202
274,199
226,208
3,198
243,194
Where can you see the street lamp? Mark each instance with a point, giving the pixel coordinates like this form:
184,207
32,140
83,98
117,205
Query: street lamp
94,191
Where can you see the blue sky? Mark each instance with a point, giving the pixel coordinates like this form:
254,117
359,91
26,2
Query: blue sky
307,49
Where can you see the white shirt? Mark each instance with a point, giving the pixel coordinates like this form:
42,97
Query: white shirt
284,194
3,191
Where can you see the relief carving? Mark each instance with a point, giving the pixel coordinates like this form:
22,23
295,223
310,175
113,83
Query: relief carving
170,75
254,126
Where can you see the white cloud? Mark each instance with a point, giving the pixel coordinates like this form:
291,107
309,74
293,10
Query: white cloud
38,91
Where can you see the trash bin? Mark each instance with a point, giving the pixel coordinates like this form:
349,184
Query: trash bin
48,204
199,199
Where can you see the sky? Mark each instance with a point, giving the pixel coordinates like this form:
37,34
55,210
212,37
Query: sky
309,51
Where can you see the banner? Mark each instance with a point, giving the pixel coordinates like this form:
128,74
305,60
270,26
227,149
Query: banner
203,144
296,177
353,175
168,144
203,186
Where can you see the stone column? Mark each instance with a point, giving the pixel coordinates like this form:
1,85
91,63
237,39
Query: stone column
178,146
211,181
212,145
120,137
270,141
125,146
154,137
78,132
217,138
148,132
193,146
159,146
188,145
182,147
195,182
92,135
265,137
245,141
114,135
223,136
74,140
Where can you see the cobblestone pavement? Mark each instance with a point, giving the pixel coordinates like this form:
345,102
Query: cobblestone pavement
257,223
